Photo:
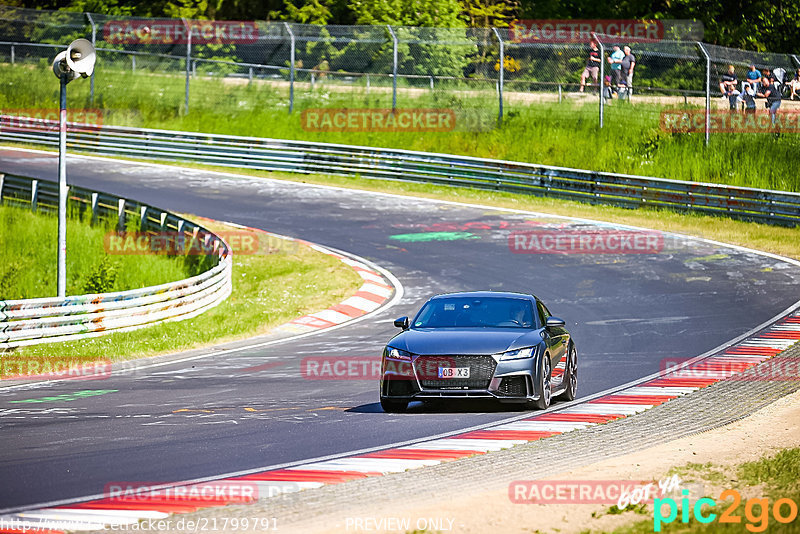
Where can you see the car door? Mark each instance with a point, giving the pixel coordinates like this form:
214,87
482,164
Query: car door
556,339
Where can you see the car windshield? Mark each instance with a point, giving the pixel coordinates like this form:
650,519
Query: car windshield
470,312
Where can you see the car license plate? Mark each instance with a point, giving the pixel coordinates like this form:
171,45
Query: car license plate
453,372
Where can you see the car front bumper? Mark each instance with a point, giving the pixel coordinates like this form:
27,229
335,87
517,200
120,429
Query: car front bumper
506,381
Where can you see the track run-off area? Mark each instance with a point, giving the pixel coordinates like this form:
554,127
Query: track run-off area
662,298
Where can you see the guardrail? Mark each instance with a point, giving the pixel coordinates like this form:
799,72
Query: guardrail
763,205
46,320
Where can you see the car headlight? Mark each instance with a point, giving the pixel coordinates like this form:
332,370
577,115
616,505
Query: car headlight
397,354
519,354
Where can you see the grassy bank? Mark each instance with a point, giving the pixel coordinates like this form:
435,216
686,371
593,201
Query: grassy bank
268,290
29,252
564,134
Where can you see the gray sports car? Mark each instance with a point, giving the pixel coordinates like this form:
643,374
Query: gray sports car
484,344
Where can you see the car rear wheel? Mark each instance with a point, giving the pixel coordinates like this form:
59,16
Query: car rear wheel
545,391
572,375
393,406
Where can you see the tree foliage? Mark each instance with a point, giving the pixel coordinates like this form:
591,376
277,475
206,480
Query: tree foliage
760,25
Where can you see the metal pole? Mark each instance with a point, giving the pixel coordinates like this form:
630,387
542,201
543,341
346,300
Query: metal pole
291,66
796,61
94,41
502,76
394,68
708,89
62,189
12,54
602,79
188,64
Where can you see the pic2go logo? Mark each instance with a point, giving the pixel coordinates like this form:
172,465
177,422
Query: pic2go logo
756,511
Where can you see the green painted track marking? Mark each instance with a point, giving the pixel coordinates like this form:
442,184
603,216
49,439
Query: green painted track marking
433,236
712,257
69,396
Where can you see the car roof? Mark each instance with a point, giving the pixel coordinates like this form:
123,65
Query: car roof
485,294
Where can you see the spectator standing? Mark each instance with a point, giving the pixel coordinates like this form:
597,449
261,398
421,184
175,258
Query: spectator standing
773,96
727,85
748,97
794,86
753,77
616,67
592,65
628,63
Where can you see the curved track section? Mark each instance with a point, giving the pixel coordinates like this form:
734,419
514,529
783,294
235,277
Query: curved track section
192,420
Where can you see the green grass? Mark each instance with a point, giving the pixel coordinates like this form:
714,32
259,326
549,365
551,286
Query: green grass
563,134
268,290
29,259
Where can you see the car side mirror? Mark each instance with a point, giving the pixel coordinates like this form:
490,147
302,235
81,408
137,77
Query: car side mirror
401,322
555,322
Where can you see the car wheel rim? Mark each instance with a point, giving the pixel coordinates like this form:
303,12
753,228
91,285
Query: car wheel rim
573,371
546,380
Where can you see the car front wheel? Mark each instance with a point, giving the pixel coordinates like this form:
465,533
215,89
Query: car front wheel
572,375
543,402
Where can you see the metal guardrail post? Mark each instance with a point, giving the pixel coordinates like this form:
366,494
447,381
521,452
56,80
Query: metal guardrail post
62,190
708,89
188,64
291,65
94,44
34,195
602,80
501,76
394,68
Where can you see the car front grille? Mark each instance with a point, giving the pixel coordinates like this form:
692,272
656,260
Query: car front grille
481,370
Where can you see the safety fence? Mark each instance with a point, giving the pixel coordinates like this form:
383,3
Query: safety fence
305,65
46,320
774,207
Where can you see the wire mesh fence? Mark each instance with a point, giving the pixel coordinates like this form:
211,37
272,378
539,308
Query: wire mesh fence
479,74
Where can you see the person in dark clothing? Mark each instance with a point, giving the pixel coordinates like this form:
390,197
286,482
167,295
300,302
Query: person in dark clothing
748,97
592,65
769,91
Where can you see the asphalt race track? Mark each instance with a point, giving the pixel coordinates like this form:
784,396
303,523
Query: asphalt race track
628,312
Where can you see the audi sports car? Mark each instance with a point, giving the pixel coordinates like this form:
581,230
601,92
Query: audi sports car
484,344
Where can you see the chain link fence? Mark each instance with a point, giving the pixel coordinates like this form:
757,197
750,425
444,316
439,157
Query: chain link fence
478,73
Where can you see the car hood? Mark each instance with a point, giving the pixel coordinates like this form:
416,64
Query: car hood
465,341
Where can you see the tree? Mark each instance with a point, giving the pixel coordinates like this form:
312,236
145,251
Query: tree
307,12
431,34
